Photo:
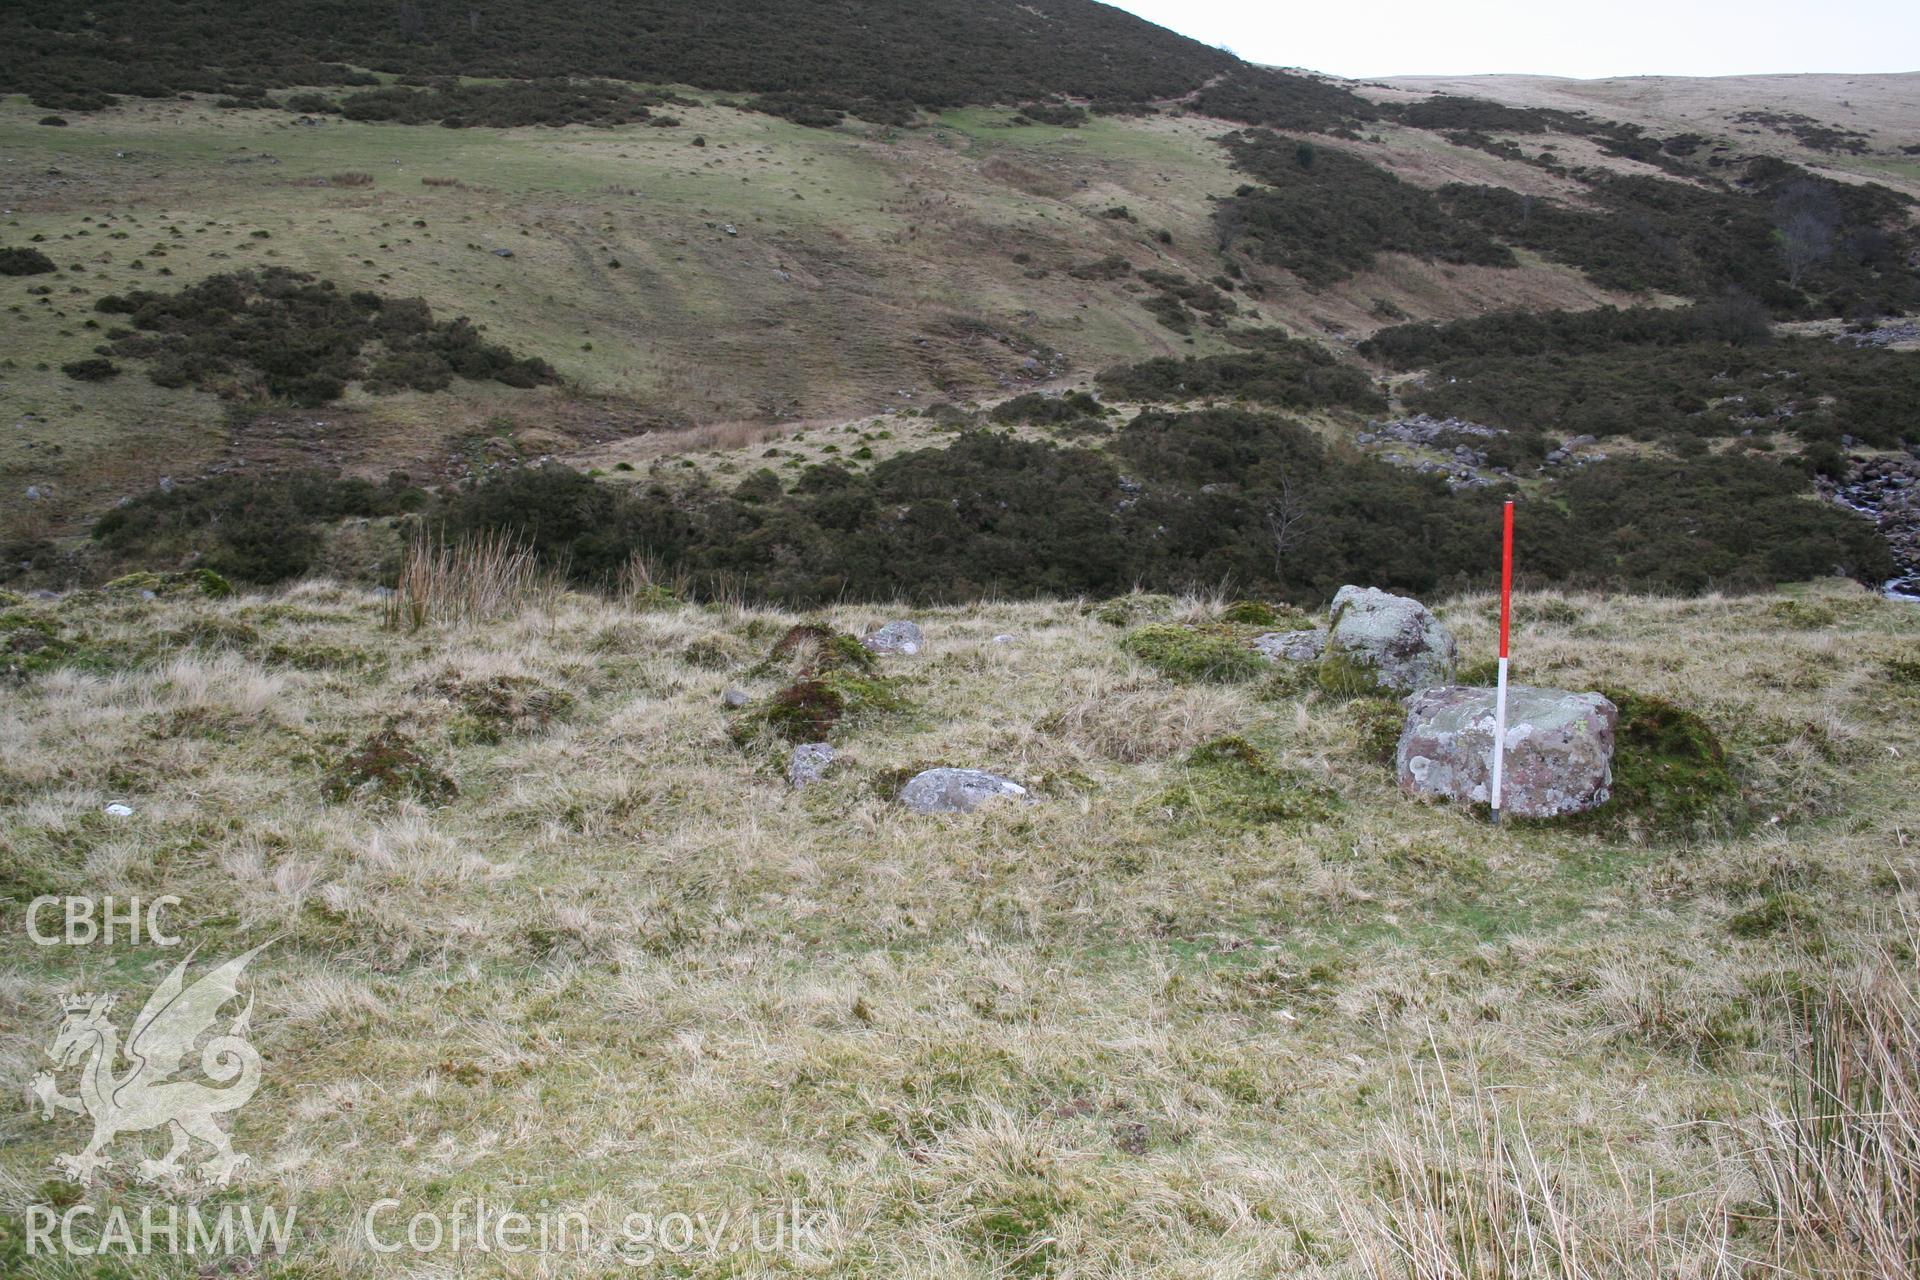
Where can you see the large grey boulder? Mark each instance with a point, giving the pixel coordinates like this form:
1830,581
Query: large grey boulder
809,764
1291,646
957,790
1383,643
895,637
1559,749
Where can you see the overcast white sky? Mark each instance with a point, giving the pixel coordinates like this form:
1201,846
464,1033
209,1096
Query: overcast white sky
1597,38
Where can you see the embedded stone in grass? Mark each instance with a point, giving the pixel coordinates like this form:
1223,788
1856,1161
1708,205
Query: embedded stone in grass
1380,643
1291,646
735,698
387,767
895,637
809,764
958,790
1559,749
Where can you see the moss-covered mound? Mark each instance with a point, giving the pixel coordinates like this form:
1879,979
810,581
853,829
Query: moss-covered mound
1133,609
386,767
813,707
810,649
1230,781
1258,613
1670,774
1193,654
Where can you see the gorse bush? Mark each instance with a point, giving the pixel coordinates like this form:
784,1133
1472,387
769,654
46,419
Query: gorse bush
1325,213
1296,375
24,262
1041,409
284,334
1669,376
258,529
1171,502
553,101
1799,243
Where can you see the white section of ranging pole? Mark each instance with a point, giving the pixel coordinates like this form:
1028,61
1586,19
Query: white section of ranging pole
1499,738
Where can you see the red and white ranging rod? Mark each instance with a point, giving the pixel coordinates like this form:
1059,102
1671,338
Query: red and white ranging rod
1506,626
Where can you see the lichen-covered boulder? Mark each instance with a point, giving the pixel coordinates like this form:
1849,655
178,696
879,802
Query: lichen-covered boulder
957,790
1559,749
895,637
1380,643
1291,646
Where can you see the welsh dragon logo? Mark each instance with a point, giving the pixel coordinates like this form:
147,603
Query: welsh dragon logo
141,1096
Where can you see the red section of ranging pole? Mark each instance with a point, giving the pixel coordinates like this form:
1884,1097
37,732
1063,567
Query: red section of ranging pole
1506,578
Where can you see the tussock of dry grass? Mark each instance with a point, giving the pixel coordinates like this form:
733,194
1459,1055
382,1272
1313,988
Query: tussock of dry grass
627,967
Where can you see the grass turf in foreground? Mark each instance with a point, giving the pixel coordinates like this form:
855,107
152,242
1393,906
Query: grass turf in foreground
625,969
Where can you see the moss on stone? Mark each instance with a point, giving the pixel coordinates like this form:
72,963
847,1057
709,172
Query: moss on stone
205,581
1230,781
1339,676
1193,654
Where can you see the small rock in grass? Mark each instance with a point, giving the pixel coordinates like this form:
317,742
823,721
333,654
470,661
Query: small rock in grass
809,764
1291,646
117,810
895,637
735,698
957,790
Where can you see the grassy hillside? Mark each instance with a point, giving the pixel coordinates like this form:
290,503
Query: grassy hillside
733,240
1136,1029
869,269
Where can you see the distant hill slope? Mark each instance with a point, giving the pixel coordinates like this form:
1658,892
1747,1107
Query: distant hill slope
932,52
1847,122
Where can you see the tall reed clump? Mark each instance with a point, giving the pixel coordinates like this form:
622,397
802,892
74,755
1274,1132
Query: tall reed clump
1839,1168
482,579
1827,1186
1463,1193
